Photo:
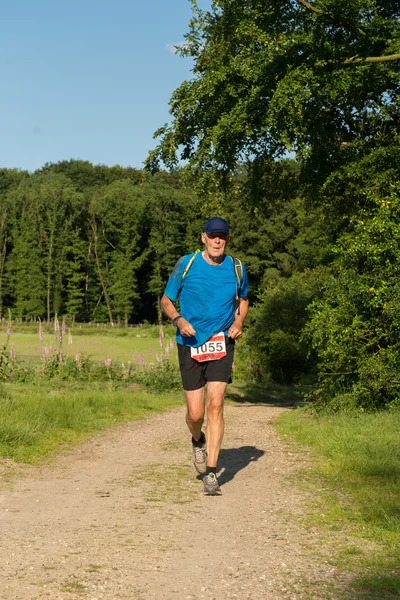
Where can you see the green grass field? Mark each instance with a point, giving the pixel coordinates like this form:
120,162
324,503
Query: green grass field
355,469
97,343
41,415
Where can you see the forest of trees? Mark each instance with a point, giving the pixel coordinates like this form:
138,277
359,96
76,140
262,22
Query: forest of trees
91,242
97,243
289,129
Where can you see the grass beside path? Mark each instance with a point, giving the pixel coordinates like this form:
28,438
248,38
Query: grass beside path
36,420
356,473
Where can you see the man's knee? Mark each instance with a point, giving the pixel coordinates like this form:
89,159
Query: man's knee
195,414
215,406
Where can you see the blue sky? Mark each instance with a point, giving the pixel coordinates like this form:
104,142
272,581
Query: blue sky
87,79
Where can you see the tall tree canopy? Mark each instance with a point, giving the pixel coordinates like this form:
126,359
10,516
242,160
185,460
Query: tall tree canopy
319,79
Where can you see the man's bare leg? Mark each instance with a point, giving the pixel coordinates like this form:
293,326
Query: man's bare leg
194,420
195,411
215,420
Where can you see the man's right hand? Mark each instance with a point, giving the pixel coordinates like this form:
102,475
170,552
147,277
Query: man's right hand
185,328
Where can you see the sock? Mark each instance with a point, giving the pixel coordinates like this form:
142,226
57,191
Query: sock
211,470
199,442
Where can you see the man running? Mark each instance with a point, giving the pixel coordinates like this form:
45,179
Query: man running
212,292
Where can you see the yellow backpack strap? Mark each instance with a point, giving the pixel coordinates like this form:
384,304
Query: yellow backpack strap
189,265
238,270
237,265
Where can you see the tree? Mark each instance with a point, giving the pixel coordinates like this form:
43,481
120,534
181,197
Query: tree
25,277
4,211
174,223
319,80
74,260
354,327
117,215
84,175
9,179
274,338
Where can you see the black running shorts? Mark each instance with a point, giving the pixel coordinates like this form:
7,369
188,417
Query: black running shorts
195,374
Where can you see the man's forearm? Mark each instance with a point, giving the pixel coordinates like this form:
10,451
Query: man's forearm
241,311
168,307
183,325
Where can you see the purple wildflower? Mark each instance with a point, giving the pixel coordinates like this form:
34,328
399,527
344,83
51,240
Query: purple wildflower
13,354
51,348
142,359
107,362
60,358
63,327
40,333
9,330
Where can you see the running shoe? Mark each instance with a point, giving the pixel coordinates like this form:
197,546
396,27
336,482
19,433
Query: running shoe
211,487
200,457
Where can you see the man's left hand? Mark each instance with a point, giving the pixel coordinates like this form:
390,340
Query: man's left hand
235,331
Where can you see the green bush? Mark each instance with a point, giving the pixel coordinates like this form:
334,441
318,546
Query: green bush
354,328
162,376
274,339
11,369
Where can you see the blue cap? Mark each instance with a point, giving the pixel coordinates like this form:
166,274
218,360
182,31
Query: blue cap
216,225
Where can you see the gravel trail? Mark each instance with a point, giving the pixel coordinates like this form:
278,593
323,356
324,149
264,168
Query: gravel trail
123,516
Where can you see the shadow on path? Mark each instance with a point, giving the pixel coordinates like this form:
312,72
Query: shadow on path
233,460
268,395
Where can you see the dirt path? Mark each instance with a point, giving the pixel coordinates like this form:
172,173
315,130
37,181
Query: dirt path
124,517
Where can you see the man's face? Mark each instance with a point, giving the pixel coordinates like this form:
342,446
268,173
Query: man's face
215,243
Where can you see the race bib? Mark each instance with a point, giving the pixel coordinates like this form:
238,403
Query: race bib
212,349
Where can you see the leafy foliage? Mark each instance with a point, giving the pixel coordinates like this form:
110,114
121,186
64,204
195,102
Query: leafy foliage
321,80
269,78
162,376
275,335
355,326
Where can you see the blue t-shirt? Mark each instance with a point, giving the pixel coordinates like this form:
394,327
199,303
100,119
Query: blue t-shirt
207,296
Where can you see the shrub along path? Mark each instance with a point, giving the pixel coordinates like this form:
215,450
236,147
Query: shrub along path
123,517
